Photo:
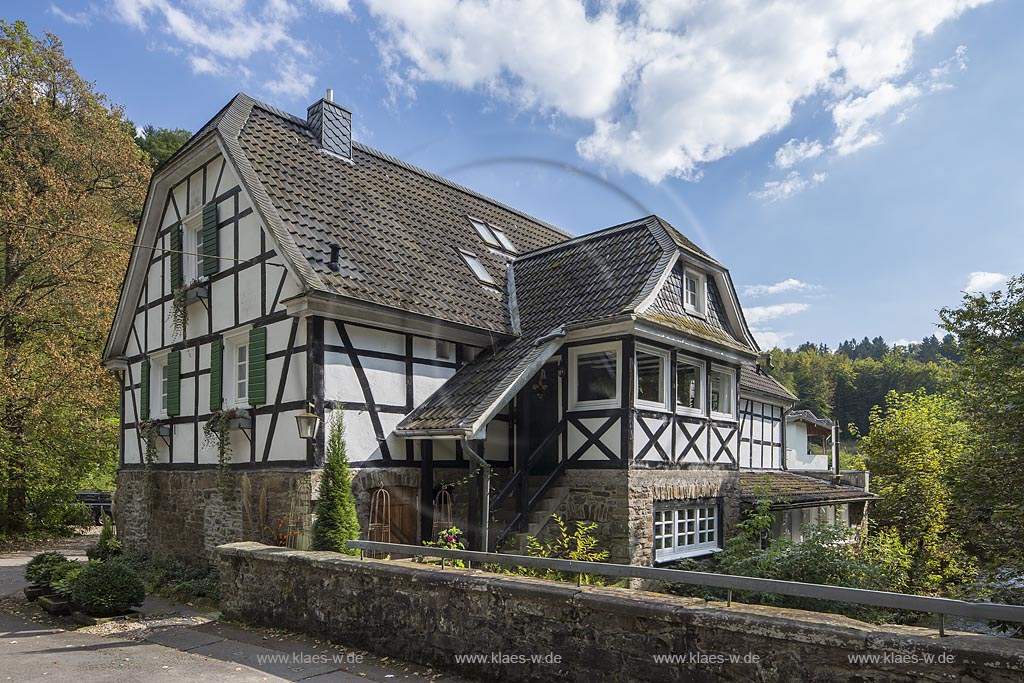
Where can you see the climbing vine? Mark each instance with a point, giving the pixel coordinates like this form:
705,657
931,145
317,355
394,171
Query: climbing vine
150,431
179,311
216,433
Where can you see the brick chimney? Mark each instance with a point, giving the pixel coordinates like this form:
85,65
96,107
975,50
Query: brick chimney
331,125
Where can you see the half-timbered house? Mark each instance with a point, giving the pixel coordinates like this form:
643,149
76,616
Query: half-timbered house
488,368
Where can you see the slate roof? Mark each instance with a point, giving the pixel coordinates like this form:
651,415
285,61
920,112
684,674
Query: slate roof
586,280
753,378
809,417
791,489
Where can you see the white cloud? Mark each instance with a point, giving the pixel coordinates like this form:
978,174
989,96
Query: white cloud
981,282
292,81
335,6
671,85
792,184
205,65
795,151
790,284
770,339
220,37
760,314
76,18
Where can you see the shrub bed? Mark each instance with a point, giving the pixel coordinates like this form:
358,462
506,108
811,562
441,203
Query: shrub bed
106,589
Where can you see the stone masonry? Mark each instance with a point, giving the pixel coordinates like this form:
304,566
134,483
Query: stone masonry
437,617
187,513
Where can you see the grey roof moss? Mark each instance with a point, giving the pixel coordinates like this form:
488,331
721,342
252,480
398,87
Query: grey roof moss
788,489
753,378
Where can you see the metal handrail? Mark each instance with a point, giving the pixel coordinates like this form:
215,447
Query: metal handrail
858,596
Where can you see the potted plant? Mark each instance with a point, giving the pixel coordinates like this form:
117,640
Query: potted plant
216,432
186,294
58,602
37,572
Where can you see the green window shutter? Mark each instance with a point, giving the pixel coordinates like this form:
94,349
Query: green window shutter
216,374
177,279
211,245
144,389
257,366
174,383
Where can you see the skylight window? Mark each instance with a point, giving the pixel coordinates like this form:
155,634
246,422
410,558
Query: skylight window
478,268
492,236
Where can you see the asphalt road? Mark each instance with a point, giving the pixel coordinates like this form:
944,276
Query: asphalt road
32,649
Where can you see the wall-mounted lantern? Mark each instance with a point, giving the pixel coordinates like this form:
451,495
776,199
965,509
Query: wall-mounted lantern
307,423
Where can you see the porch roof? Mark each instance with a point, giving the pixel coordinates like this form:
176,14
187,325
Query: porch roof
788,489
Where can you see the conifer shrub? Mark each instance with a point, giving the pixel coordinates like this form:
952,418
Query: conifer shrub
336,520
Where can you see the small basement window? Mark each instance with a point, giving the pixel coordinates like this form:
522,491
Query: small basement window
684,530
594,376
652,378
478,268
492,236
694,296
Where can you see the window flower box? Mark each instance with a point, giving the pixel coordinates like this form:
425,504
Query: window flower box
196,293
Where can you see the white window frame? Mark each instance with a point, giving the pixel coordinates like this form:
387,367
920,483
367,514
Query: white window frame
159,382
667,518
232,341
731,373
666,379
700,309
477,267
574,353
702,381
191,245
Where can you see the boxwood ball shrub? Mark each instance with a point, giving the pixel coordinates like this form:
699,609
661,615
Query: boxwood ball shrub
39,567
106,589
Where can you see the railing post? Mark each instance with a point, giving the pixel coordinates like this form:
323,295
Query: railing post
942,626
728,599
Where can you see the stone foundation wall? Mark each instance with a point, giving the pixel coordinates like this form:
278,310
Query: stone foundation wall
187,513
649,485
599,496
424,614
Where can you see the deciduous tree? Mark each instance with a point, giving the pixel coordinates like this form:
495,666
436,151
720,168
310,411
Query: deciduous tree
71,177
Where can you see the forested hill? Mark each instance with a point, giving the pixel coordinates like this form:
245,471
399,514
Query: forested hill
846,383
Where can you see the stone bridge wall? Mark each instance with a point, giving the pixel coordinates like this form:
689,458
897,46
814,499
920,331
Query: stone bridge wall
432,616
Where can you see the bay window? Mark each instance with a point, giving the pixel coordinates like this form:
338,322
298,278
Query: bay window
652,378
594,376
722,392
689,386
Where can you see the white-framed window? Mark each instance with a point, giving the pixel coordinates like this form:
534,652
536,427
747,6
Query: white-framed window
192,246
595,373
694,292
478,268
160,382
236,367
685,530
690,385
652,378
492,235
722,392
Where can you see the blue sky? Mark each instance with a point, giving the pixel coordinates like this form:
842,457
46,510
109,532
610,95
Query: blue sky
855,168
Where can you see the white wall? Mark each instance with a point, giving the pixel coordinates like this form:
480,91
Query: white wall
257,286
797,457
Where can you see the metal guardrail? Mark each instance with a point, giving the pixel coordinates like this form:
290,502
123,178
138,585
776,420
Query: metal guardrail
989,611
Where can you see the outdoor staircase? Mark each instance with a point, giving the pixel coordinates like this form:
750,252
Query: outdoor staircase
536,519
